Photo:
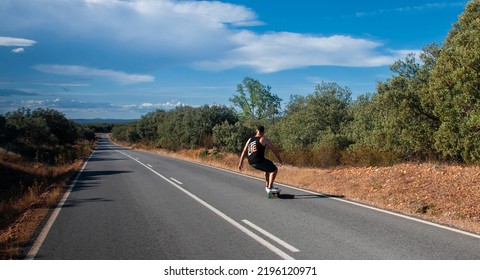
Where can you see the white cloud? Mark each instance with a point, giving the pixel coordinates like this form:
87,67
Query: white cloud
63,84
18,50
16,42
417,8
77,70
274,52
151,106
203,34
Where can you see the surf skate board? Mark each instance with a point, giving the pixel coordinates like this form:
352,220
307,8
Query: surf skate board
274,192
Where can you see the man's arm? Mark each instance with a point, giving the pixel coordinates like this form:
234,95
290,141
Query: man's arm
242,157
266,142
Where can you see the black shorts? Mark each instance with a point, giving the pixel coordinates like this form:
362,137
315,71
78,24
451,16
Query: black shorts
265,165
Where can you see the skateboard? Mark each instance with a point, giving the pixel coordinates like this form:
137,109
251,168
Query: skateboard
271,194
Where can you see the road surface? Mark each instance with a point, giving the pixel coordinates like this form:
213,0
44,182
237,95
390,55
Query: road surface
128,204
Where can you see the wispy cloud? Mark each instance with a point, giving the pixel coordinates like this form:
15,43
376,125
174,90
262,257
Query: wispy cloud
418,8
18,50
207,35
274,52
14,92
63,84
76,70
16,42
151,106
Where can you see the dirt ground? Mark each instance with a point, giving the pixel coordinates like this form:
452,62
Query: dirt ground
444,194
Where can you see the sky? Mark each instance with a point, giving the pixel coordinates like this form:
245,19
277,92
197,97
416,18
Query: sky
124,58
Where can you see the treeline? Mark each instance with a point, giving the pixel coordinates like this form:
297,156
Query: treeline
181,128
44,136
428,109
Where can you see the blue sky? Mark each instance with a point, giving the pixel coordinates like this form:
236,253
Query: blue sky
122,59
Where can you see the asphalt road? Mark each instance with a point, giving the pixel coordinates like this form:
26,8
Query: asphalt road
129,204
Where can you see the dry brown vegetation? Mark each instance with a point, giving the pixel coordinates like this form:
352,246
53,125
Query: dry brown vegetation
34,189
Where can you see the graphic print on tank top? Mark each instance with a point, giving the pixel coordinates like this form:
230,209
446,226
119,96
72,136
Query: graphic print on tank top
256,151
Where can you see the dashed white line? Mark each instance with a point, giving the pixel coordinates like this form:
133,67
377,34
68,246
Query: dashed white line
149,166
271,236
236,224
176,181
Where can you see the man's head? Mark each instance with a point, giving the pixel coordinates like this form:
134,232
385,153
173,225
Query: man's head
260,129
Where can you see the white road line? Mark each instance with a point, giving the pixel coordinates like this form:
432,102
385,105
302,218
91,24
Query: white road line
271,236
245,230
46,229
176,181
149,165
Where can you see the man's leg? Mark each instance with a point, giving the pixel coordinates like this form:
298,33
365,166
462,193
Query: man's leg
271,178
267,178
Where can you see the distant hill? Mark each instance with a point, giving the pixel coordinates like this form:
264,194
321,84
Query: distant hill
109,121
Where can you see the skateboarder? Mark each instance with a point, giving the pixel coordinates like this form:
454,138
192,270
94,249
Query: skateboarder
255,152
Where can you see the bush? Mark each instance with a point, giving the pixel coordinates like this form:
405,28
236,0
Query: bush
42,135
231,137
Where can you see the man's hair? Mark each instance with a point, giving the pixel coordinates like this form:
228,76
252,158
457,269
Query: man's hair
261,129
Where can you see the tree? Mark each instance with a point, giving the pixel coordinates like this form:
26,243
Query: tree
63,129
44,135
455,89
3,129
308,119
148,124
256,101
231,137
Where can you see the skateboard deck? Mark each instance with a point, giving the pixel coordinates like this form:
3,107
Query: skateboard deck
271,194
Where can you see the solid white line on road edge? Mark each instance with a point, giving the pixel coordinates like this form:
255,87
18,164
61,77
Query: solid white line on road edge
176,181
46,229
418,220
245,230
271,236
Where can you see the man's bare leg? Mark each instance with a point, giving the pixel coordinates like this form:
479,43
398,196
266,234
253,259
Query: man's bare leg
271,178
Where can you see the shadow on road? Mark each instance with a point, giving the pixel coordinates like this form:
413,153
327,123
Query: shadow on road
308,196
77,202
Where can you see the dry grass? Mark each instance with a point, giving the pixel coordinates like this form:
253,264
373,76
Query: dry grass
441,193
36,188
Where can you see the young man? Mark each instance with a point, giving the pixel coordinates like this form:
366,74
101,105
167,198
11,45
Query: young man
255,152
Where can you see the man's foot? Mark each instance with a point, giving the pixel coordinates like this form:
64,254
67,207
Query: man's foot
272,189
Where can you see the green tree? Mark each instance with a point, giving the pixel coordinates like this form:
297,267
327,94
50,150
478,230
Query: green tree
148,124
63,129
185,126
256,101
3,129
455,88
44,135
231,137
399,118
308,119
